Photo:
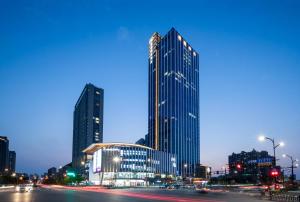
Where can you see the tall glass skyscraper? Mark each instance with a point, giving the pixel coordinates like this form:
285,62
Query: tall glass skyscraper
88,123
173,120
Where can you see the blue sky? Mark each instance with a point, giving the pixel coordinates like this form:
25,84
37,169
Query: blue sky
249,72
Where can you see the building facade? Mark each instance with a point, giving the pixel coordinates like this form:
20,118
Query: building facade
122,164
250,167
52,171
87,123
12,161
173,108
4,154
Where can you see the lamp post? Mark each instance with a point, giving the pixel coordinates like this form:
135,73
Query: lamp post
185,170
116,159
147,170
225,173
293,161
281,144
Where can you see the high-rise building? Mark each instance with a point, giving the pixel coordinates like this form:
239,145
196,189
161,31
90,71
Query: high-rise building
12,161
4,154
173,119
88,123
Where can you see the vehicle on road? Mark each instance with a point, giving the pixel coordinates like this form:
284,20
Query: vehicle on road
24,188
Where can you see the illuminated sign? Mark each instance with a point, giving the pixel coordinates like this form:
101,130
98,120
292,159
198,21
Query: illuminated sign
97,161
264,161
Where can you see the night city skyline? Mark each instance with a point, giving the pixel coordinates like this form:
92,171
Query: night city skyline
249,74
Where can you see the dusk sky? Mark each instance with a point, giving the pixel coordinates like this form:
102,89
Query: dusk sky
249,72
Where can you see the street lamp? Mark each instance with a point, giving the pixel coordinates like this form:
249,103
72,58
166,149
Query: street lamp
185,169
280,144
293,161
116,159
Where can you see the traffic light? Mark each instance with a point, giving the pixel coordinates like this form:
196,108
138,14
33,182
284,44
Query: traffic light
239,166
274,173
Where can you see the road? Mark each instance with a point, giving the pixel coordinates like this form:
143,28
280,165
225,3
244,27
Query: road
63,194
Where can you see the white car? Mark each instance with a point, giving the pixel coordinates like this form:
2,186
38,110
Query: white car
24,188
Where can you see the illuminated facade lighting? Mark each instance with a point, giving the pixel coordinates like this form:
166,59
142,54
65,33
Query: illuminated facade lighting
168,123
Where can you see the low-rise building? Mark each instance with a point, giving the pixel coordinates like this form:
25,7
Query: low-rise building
250,167
122,164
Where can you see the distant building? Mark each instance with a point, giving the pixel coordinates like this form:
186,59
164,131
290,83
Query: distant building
51,172
88,124
4,154
203,172
250,167
62,171
173,104
123,164
147,140
141,141
12,161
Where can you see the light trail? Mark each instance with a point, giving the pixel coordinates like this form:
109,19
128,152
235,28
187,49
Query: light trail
130,194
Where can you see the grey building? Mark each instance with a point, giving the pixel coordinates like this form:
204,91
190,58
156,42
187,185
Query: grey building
4,154
87,123
12,161
173,106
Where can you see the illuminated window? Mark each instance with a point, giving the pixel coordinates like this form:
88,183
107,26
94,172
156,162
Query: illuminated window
97,92
179,37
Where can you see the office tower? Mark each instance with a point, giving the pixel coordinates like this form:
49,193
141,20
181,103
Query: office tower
88,123
4,154
173,119
12,161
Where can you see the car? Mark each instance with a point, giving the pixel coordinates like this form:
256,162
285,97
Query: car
24,188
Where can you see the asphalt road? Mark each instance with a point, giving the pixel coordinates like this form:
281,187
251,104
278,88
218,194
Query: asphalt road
55,194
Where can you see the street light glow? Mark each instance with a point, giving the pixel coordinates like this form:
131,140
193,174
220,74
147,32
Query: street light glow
283,155
281,144
116,159
261,138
